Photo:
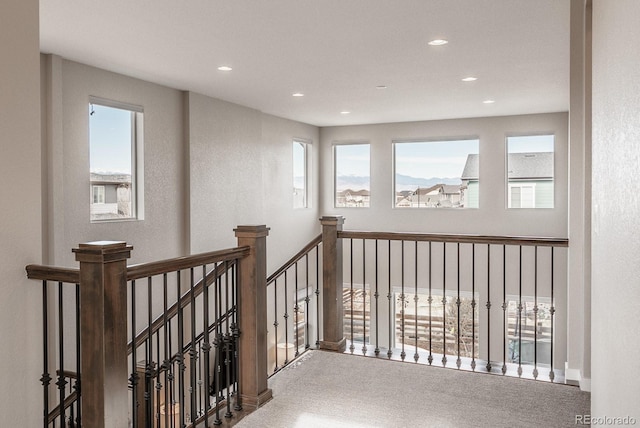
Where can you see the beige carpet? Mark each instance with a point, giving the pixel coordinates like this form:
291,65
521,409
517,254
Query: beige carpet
325,389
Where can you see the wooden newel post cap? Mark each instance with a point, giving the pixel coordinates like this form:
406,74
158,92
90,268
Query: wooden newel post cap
102,251
332,220
251,231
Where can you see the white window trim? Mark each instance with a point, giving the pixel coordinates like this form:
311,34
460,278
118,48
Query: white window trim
306,145
521,186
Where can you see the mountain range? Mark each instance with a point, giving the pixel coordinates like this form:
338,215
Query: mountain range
403,182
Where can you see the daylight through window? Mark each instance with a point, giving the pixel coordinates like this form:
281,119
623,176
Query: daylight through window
352,175
530,171
437,174
115,134
299,174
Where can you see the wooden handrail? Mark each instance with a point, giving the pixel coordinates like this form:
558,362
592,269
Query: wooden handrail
317,240
466,239
185,300
171,265
68,402
52,273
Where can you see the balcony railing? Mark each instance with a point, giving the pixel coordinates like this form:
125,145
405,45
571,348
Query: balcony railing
181,342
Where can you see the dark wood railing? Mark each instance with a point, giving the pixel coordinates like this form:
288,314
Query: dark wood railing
434,295
186,324
293,292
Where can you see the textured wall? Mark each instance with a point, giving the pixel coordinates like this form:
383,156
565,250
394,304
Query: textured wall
616,219
20,216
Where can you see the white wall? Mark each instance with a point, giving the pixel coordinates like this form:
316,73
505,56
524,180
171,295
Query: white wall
241,173
491,218
616,222
20,216
68,88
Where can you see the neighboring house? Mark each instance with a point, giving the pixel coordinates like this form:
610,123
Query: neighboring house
530,180
110,196
439,195
353,198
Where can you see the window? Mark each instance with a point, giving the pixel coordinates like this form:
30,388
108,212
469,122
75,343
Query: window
98,194
529,333
437,174
115,158
530,171
299,174
352,176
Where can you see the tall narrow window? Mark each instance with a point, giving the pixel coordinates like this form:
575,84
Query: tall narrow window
352,175
437,174
115,139
530,171
299,174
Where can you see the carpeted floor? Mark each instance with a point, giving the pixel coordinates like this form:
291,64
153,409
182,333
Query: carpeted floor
324,389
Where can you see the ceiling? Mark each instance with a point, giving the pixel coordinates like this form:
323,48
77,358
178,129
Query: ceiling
335,52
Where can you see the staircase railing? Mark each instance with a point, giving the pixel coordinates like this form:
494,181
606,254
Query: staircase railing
170,343
481,303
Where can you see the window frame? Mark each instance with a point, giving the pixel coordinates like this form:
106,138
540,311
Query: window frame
519,182
433,140
334,149
306,145
137,157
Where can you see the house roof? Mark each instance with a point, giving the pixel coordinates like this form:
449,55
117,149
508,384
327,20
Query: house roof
110,178
531,165
361,192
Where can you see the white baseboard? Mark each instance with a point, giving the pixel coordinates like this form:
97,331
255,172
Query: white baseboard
574,377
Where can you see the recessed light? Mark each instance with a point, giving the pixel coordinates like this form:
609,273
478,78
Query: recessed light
489,101
381,87
469,79
225,68
298,94
438,42
345,112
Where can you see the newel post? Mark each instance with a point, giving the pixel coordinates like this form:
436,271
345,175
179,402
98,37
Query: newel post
332,306
252,316
103,332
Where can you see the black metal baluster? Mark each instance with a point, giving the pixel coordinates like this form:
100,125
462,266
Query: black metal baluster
78,384
236,335
430,300
275,322
389,351
552,311
46,377
193,352
218,344
286,321
206,346
171,380
364,299
415,300
403,301
296,312
489,308
473,307
535,314
520,313
444,303
351,347
158,384
376,295
306,304
133,379
148,395
62,382
180,355
504,308
317,295
228,340
166,364
458,360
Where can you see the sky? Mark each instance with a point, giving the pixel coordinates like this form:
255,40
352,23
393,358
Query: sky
110,136
353,159
444,159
